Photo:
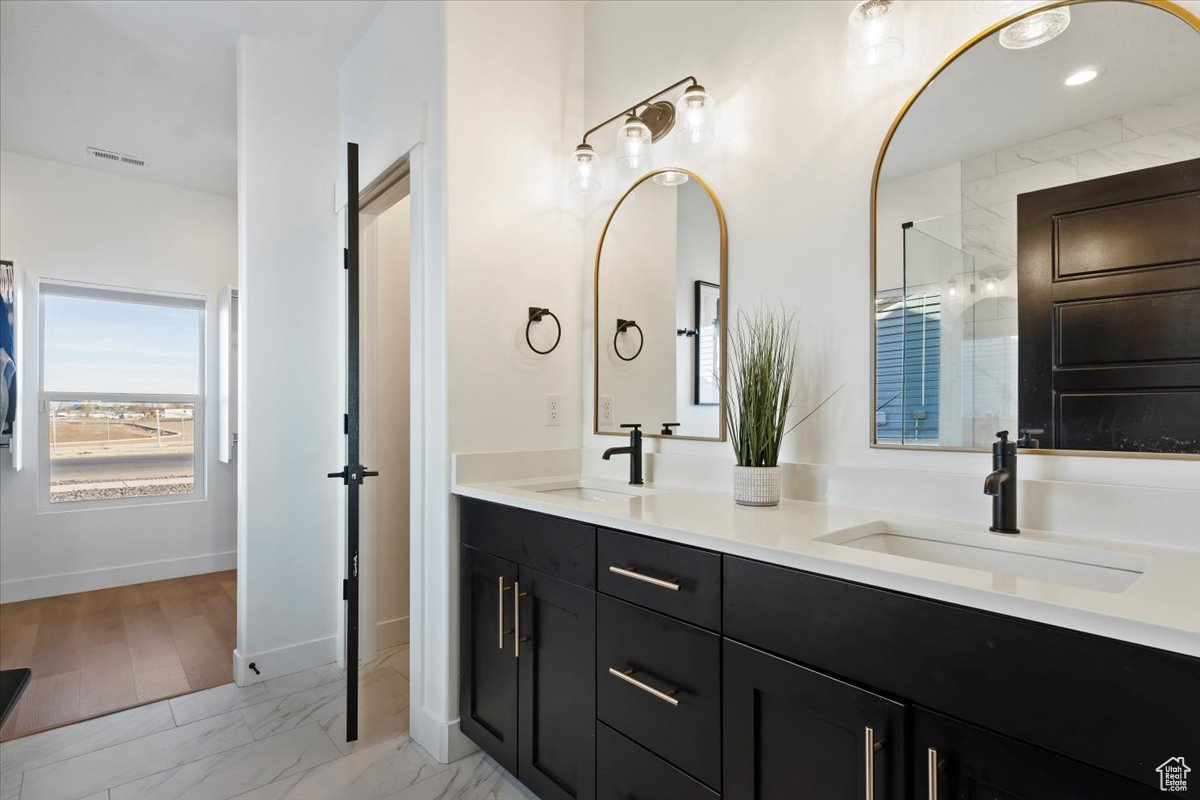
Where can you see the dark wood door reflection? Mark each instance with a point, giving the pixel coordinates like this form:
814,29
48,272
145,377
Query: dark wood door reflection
1109,311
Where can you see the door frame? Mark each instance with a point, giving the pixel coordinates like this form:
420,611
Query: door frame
392,186
433,556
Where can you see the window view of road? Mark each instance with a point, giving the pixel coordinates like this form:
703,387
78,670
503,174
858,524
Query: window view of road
103,451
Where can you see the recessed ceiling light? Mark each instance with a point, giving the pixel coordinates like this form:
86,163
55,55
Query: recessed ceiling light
1080,77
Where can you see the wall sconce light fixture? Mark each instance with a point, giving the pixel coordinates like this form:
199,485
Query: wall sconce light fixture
644,124
876,33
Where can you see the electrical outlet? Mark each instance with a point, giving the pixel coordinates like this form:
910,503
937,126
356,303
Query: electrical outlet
554,409
606,409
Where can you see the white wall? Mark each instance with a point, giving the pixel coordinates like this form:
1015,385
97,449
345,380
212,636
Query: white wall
798,136
67,222
291,295
513,236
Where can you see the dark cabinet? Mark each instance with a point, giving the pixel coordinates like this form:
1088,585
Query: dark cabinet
557,687
659,683
672,579
794,734
488,679
527,689
627,771
956,761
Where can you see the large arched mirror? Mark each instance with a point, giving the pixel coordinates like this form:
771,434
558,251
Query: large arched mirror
660,317
1036,239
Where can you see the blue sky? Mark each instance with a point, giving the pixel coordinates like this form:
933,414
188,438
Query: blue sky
107,346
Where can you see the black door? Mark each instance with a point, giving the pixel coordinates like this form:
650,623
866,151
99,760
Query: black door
556,641
956,761
488,683
1108,297
352,473
794,734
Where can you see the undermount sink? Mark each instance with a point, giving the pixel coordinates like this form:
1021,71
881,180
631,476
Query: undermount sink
587,490
1014,557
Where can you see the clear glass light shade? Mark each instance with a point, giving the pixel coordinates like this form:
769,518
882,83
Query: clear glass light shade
584,170
876,33
694,114
1036,29
633,146
671,177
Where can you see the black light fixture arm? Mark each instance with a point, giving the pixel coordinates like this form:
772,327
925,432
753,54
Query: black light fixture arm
632,110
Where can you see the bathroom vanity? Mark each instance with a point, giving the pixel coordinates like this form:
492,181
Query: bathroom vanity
601,662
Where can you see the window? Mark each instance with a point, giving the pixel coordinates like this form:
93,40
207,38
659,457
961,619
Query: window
122,377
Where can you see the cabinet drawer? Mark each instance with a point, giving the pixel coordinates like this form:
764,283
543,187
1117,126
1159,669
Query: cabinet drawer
666,690
627,770
558,547
677,580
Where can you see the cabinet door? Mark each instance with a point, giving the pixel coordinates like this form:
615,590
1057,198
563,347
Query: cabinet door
791,733
488,679
956,761
557,657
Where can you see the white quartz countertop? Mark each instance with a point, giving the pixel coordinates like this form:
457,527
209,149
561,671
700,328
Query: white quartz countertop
1160,609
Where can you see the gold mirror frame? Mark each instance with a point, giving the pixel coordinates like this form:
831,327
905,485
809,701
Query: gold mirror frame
724,281
1163,5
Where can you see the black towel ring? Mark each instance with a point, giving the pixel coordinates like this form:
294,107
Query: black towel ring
622,326
535,315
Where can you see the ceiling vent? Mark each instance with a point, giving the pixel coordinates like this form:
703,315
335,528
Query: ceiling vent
119,158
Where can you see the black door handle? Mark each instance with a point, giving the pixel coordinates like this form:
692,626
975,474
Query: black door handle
353,474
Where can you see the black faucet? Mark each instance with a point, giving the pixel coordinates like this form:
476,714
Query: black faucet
634,450
1001,484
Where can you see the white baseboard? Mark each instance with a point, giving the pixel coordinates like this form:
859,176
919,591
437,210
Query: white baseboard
283,660
391,633
443,740
17,589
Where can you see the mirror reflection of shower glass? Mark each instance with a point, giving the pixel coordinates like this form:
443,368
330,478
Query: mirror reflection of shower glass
946,343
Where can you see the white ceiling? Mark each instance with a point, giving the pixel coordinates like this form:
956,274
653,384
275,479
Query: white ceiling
991,98
156,80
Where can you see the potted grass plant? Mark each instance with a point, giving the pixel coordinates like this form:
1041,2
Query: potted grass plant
758,392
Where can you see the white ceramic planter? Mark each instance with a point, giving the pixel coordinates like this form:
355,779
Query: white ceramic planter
757,486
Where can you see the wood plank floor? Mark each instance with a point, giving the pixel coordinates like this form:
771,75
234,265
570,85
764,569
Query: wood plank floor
96,652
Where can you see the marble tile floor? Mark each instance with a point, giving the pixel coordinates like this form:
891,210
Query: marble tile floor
281,739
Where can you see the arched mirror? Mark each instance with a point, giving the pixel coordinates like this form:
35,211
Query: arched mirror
1036,239
660,317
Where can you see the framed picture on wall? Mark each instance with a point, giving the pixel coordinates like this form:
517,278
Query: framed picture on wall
708,344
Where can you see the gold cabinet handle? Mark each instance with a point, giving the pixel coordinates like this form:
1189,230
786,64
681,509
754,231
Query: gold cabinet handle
517,637
630,572
627,676
869,752
500,590
932,767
